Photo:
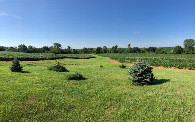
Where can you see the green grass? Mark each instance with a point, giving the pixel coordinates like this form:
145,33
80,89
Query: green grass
8,56
106,95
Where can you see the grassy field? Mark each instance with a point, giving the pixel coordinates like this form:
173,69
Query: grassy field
186,61
38,94
8,56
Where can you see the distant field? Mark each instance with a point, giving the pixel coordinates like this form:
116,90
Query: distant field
7,56
167,60
106,95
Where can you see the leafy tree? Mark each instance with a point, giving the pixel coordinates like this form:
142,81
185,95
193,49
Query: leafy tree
2,48
14,49
22,48
129,46
177,50
57,45
141,73
143,50
121,50
189,45
31,49
68,50
56,48
151,49
136,50
74,51
129,49
85,50
114,49
160,51
98,50
45,49
105,49
16,66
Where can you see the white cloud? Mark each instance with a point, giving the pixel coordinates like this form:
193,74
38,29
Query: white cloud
10,15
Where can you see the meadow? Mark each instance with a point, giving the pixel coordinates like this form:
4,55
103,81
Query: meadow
8,56
38,94
181,61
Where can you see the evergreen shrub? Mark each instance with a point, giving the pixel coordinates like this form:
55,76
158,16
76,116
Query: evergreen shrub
16,66
141,73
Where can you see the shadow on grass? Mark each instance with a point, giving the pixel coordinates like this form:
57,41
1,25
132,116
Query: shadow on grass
160,81
24,72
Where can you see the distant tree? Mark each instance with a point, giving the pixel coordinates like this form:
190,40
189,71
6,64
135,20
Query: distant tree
105,49
151,49
114,49
143,50
22,48
121,50
85,50
74,51
189,45
57,45
2,48
45,49
13,49
136,50
98,50
160,51
56,48
129,45
129,50
31,49
69,50
177,50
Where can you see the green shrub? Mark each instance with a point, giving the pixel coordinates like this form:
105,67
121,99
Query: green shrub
177,50
141,73
75,76
16,66
58,68
122,66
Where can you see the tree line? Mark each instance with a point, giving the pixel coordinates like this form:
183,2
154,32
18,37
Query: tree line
57,49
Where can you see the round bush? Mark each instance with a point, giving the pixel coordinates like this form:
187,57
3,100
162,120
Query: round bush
141,73
75,76
58,68
16,66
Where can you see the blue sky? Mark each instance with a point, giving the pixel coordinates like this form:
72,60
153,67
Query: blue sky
92,23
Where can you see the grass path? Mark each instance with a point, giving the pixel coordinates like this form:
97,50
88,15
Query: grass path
106,95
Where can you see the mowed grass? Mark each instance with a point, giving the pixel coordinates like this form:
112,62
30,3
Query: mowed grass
38,94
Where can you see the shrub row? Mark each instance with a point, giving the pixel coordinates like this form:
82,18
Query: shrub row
9,56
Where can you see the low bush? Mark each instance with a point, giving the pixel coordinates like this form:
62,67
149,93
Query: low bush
58,68
141,73
75,76
16,66
122,66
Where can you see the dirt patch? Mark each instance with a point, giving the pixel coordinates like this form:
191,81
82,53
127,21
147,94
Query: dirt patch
113,61
172,68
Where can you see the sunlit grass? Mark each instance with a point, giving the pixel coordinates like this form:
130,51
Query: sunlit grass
106,95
